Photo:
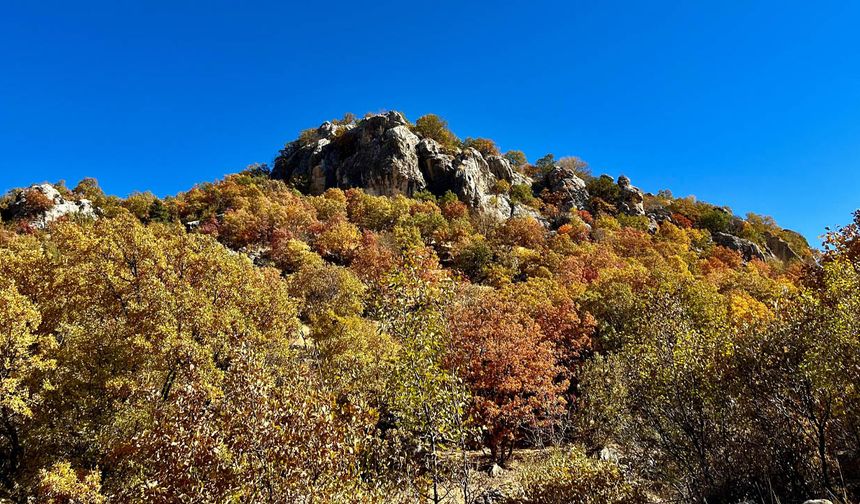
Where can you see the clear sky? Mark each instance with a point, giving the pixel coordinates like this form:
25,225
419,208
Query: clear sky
755,105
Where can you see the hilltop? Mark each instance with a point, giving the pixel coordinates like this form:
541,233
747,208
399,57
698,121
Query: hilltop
385,154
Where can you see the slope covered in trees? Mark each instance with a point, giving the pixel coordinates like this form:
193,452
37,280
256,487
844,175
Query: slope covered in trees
262,340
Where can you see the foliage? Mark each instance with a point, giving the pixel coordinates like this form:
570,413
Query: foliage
728,414
510,368
517,158
570,477
62,485
522,193
23,364
578,166
473,258
436,128
485,146
716,220
322,288
35,201
425,397
501,187
243,342
604,188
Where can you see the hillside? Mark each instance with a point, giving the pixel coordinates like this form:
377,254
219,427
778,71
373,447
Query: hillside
392,314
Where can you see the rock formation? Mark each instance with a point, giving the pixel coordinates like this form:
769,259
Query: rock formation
780,248
568,186
58,206
377,154
747,249
632,198
382,155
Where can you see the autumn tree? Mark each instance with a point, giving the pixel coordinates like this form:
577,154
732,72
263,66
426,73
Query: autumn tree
436,128
485,146
24,362
517,158
426,399
576,165
509,366
160,331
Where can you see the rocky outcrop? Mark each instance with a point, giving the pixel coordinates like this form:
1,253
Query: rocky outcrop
520,210
436,165
501,168
58,206
632,198
780,248
382,155
466,173
747,249
568,187
377,154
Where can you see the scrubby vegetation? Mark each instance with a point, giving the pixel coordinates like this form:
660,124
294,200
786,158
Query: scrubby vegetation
243,342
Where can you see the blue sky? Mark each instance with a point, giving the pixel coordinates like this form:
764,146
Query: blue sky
755,105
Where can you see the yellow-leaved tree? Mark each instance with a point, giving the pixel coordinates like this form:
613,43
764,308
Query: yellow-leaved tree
173,378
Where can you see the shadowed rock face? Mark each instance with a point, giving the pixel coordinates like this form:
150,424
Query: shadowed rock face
382,155
780,248
747,249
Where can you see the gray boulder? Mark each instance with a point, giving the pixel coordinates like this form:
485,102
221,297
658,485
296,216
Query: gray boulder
382,155
610,453
473,183
377,154
747,249
500,168
569,187
465,173
653,224
660,214
520,179
495,471
818,501
520,210
492,496
632,198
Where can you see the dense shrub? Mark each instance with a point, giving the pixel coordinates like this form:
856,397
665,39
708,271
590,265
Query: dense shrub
485,146
473,258
569,477
604,188
517,158
35,201
716,220
436,128
510,367
522,193
639,222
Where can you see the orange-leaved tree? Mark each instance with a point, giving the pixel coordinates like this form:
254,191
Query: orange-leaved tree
509,366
